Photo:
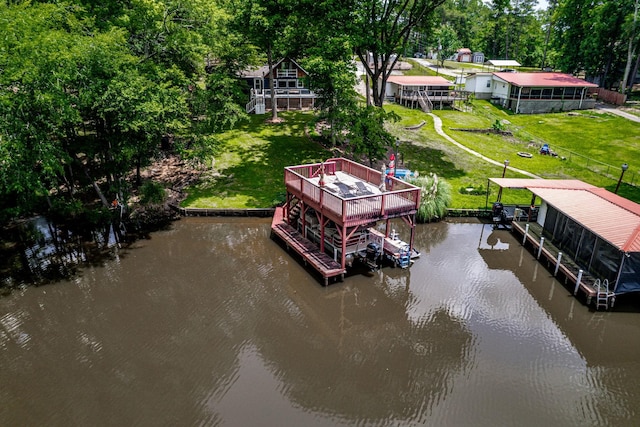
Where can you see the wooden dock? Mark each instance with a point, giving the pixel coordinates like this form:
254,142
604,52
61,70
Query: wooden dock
310,253
550,253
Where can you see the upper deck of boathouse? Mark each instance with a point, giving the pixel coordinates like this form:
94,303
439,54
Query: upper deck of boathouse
351,194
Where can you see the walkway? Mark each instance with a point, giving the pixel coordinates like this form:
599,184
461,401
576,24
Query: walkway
437,124
618,112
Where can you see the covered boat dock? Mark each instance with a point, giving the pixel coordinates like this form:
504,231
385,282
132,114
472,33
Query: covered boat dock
586,233
332,209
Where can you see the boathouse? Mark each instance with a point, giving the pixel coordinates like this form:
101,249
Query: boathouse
331,211
589,234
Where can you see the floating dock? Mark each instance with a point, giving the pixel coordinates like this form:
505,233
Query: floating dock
310,253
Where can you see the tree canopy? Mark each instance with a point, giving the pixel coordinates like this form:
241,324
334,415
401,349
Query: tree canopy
88,89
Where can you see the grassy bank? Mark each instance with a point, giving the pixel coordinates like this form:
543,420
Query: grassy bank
248,170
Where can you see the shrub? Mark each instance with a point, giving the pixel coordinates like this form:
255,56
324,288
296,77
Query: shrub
152,192
435,197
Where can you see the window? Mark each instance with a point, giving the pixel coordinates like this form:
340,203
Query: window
488,83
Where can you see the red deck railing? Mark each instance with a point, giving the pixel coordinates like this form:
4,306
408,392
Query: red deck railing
404,199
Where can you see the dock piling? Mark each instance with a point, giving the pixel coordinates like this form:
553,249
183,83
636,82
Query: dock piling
575,290
526,232
540,248
555,272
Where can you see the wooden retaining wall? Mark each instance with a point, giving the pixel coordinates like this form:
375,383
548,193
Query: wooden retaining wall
251,212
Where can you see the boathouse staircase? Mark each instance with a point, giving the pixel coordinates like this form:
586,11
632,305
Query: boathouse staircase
294,213
603,295
424,101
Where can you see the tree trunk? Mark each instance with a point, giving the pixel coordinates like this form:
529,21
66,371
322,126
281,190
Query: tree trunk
631,50
103,199
274,106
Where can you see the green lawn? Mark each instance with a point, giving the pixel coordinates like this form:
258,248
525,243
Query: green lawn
248,172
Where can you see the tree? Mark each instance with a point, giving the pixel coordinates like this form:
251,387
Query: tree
592,37
266,25
85,96
632,33
380,31
448,43
368,135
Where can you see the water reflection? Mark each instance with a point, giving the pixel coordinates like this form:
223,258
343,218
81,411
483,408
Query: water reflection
213,323
37,251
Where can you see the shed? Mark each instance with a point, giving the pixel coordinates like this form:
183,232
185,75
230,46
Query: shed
464,55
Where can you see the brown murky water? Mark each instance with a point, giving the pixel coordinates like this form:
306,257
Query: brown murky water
213,323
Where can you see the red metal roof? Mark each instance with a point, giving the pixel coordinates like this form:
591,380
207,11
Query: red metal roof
569,184
543,80
614,218
604,216
419,81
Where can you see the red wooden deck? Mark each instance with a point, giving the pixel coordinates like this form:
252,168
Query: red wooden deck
310,252
398,199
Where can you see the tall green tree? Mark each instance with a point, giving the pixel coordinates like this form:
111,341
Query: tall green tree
447,41
380,31
368,135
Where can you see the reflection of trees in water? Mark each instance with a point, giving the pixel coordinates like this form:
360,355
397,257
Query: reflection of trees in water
355,354
38,251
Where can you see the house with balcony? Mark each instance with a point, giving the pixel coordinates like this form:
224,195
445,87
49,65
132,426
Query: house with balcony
424,92
290,84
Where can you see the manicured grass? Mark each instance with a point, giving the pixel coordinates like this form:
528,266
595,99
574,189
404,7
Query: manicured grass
248,172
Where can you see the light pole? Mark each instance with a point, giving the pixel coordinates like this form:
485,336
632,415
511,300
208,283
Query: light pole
504,171
506,164
624,169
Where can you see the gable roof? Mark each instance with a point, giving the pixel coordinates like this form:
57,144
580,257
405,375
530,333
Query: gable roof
263,71
543,80
419,81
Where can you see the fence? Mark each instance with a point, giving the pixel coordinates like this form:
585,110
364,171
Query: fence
589,163
609,96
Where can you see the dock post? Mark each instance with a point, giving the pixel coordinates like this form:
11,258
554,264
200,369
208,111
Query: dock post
578,280
526,232
540,248
557,263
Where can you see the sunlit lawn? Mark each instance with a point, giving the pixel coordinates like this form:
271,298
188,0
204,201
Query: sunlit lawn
248,171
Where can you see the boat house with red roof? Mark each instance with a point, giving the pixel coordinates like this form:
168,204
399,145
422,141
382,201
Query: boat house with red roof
587,233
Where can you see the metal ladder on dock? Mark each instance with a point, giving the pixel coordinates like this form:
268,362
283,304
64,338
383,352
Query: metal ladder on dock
603,294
